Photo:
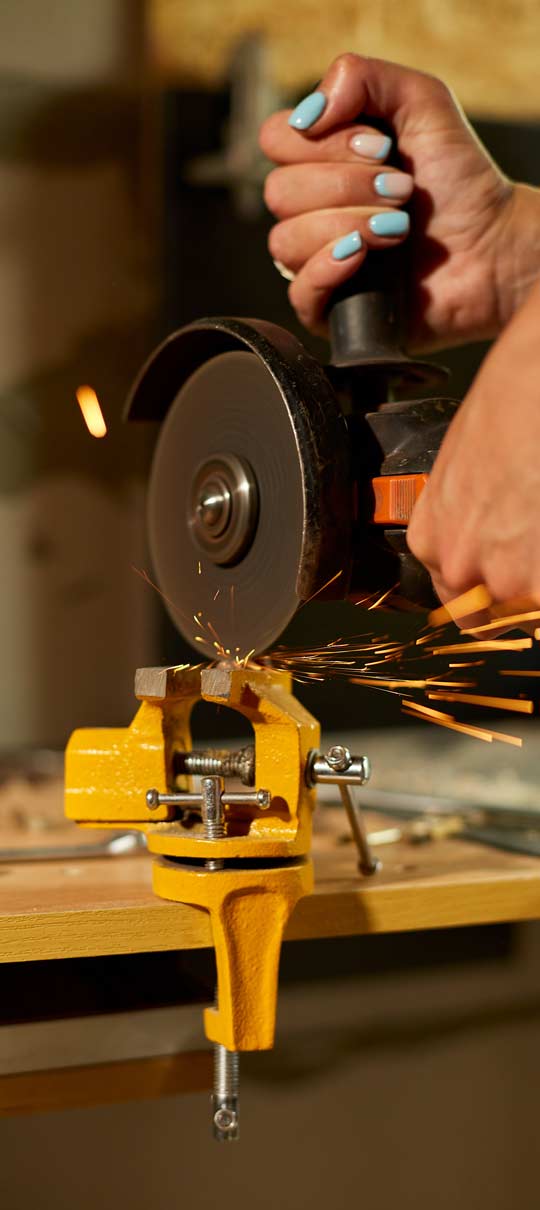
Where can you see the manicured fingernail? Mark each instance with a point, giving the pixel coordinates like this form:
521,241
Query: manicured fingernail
397,185
390,222
371,146
347,246
308,110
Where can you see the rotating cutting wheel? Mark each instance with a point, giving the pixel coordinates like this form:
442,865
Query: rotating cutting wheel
244,501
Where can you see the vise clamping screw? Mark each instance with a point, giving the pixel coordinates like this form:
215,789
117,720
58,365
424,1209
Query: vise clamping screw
211,801
338,767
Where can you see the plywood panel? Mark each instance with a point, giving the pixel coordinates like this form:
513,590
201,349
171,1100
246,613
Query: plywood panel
487,51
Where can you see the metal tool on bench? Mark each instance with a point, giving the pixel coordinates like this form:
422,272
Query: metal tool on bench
273,480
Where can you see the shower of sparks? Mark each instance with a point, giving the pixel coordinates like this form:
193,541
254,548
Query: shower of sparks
353,659
91,411
357,660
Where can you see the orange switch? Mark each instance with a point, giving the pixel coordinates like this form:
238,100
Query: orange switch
395,497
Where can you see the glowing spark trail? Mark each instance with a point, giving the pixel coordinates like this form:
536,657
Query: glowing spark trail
91,411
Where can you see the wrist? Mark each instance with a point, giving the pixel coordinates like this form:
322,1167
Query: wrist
518,260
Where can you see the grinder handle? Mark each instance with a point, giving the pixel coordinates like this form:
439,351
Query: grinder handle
366,314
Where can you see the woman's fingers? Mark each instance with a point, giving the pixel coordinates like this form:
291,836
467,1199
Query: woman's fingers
299,188
296,240
280,143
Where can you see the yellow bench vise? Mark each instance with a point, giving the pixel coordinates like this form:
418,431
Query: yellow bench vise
238,846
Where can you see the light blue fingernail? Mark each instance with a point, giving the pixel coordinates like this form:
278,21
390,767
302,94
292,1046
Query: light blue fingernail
395,185
347,246
307,111
390,222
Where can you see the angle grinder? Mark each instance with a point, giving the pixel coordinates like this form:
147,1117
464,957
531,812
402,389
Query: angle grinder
275,479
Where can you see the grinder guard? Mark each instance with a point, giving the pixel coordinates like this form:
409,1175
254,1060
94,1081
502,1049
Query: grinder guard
245,392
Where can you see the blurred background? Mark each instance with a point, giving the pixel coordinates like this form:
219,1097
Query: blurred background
130,203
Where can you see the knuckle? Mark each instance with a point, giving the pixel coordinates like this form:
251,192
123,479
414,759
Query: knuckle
348,62
455,571
419,545
343,182
432,88
418,537
505,581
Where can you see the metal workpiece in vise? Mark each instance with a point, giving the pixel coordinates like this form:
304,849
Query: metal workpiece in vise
274,480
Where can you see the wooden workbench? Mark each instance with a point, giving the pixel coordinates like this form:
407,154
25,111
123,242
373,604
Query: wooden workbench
105,906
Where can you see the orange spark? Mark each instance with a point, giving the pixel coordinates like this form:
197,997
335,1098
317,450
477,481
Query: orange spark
493,703
519,672
144,576
383,597
323,586
410,705
472,601
469,664
485,645
91,411
399,683
428,638
506,620
448,720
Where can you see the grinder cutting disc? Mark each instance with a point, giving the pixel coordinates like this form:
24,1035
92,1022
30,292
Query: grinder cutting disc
249,499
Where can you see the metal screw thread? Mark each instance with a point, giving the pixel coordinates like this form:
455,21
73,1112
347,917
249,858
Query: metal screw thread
226,1062
212,809
226,1072
225,1096
222,764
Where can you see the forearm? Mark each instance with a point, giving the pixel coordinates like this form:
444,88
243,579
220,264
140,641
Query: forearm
518,262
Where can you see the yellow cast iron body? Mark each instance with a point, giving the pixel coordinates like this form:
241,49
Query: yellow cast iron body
109,770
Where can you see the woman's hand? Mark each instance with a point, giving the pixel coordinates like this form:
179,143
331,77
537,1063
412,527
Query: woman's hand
474,249
476,520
